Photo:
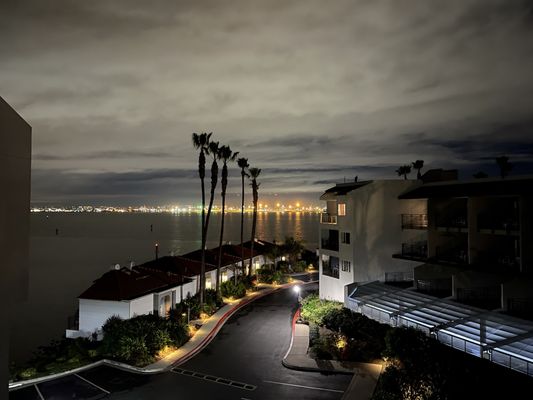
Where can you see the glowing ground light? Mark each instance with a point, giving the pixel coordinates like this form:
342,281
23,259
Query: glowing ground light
296,289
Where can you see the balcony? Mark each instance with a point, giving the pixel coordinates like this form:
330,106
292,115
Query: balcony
413,251
498,225
326,218
414,221
331,267
329,239
457,223
452,255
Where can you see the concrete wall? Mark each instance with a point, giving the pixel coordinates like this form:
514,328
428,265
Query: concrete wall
94,313
15,169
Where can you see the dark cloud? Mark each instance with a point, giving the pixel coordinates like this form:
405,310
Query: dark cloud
308,93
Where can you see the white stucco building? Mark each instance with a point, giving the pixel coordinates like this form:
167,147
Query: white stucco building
362,228
15,170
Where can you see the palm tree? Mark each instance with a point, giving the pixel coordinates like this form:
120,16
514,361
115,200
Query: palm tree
201,142
418,165
504,165
243,165
225,155
254,174
404,170
293,248
214,151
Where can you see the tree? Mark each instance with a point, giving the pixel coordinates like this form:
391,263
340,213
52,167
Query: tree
404,170
254,174
504,165
480,175
243,165
201,142
225,155
273,254
418,165
293,248
214,151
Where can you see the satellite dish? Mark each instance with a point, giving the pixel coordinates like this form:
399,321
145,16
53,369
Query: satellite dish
117,267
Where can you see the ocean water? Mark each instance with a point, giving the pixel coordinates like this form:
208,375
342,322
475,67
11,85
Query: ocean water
87,244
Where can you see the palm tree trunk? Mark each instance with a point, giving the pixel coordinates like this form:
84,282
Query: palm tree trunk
242,226
224,185
254,219
202,264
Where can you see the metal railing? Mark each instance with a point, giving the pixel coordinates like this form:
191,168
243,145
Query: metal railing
326,218
414,221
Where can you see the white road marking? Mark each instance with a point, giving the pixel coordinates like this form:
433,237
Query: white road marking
305,387
39,392
94,384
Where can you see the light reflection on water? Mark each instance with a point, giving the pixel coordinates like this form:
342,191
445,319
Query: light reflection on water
63,266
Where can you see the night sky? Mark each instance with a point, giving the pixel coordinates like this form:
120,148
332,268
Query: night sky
310,91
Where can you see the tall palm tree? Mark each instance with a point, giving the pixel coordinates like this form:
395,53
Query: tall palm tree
504,165
404,170
243,165
201,142
214,151
418,165
254,174
225,155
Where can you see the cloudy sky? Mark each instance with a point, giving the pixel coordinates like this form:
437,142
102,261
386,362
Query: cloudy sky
310,91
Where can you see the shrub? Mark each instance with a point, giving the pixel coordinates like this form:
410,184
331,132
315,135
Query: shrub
300,266
138,340
314,309
230,289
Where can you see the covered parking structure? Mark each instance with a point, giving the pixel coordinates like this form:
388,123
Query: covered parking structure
500,338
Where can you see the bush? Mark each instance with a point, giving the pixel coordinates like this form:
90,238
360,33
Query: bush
138,340
269,276
314,309
230,289
191,305
300,266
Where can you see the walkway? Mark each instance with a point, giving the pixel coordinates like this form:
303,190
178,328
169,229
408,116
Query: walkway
365,375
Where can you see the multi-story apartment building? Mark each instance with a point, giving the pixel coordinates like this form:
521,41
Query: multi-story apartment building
360,230
479,242
15,165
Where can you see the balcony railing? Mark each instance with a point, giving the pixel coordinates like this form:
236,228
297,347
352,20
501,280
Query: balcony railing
415,250
326,218
414,221
498,224
329,244
455,255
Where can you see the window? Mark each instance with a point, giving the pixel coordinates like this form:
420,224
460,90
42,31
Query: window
346,266
208,284
330,266
345,237
225,276
341,209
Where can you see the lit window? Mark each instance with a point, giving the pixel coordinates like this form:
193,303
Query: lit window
224,276
208,281
345,237
341,209
346,266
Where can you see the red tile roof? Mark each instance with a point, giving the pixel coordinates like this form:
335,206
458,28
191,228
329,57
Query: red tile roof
127,284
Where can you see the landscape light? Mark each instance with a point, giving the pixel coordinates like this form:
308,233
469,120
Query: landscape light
296,289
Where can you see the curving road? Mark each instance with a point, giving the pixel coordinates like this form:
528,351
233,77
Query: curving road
242,362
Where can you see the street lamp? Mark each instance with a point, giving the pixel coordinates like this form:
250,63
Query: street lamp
297,291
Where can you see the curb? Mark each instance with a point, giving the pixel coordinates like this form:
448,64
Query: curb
288,365
150,371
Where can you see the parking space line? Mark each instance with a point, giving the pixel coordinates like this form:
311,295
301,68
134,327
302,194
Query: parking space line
38,392
305,387
94,384
214,379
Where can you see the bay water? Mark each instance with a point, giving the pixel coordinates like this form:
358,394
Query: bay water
68,251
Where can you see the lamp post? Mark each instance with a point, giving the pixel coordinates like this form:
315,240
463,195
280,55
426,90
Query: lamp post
297,291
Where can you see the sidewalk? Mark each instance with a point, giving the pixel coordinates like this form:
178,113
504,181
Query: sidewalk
365,375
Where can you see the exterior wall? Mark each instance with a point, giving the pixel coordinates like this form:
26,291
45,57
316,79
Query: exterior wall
94,313
15,169
140,306
373,219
